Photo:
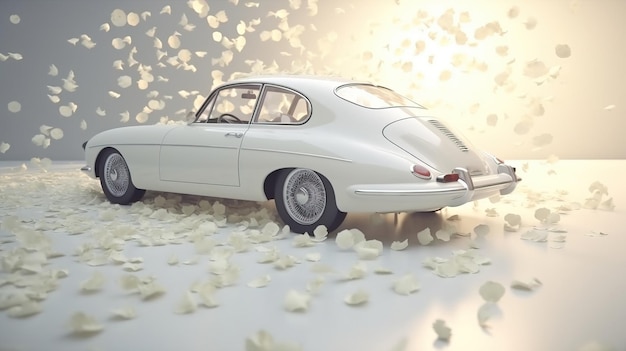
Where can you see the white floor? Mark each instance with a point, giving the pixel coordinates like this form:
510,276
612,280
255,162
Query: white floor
580,304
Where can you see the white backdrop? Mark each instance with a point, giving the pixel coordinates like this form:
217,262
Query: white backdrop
522,79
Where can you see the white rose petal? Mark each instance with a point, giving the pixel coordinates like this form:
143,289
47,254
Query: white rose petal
400,245
525,285
302,240
406,285
118,18
320,233
80,323
344,239
443,331
14,106
491,291
481,229
424,237
25,310
443,235
296,301
124,313
263,341
260,282
357,271
357,298
4,147
187,304
369,249
382,270
563,50
486,311
56,133
95,283
312,257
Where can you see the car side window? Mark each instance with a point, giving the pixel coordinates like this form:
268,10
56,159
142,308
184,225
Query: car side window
233,104
282,106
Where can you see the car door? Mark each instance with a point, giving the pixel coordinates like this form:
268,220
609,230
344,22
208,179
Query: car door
207,151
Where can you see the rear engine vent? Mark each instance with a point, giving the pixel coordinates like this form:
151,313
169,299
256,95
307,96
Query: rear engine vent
449,134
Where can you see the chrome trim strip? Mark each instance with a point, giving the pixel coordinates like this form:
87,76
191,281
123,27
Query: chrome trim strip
123,144
298,154
85,169
408,192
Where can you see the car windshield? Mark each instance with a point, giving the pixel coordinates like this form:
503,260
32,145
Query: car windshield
372,96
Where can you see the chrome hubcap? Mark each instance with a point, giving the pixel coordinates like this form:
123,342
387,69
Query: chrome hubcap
116,175
304,196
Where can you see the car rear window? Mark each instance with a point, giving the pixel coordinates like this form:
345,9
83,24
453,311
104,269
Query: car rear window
372,96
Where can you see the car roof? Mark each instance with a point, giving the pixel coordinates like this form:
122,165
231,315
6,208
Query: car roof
295,81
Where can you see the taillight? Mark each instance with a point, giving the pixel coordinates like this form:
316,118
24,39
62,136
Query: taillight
498,160
420,171
448,178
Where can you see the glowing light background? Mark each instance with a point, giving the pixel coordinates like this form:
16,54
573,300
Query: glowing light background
571,107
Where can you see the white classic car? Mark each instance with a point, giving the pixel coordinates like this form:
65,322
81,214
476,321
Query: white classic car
319,147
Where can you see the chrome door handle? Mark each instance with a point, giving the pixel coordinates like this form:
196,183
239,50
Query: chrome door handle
235,134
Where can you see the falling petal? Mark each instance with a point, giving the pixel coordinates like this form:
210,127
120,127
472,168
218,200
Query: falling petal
424,237
124,313
296,301
260,282
80,323
357,298
563,50
56,133
400,245
53,71
132,19
118,18
442,330
530,23
542,140
173,41
65,111
15,19
187,304
513,12
406,285
491,291
14,106
167,9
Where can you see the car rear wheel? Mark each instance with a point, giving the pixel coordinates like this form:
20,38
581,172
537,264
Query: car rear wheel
115,179
305,200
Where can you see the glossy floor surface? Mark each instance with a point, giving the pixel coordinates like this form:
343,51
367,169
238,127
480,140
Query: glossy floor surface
187,273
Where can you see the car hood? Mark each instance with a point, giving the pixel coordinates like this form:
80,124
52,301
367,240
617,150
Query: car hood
432,142
134,135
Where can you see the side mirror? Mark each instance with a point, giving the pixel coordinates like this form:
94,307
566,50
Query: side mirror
190,117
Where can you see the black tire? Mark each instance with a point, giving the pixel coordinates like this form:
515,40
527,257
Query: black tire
116,180
305,199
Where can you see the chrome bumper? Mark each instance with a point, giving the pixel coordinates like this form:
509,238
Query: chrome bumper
461,191
86,169
502,169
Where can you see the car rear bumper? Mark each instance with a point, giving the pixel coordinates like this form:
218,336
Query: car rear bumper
432,195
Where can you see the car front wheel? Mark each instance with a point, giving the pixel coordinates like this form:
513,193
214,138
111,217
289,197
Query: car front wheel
305,200
115,179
